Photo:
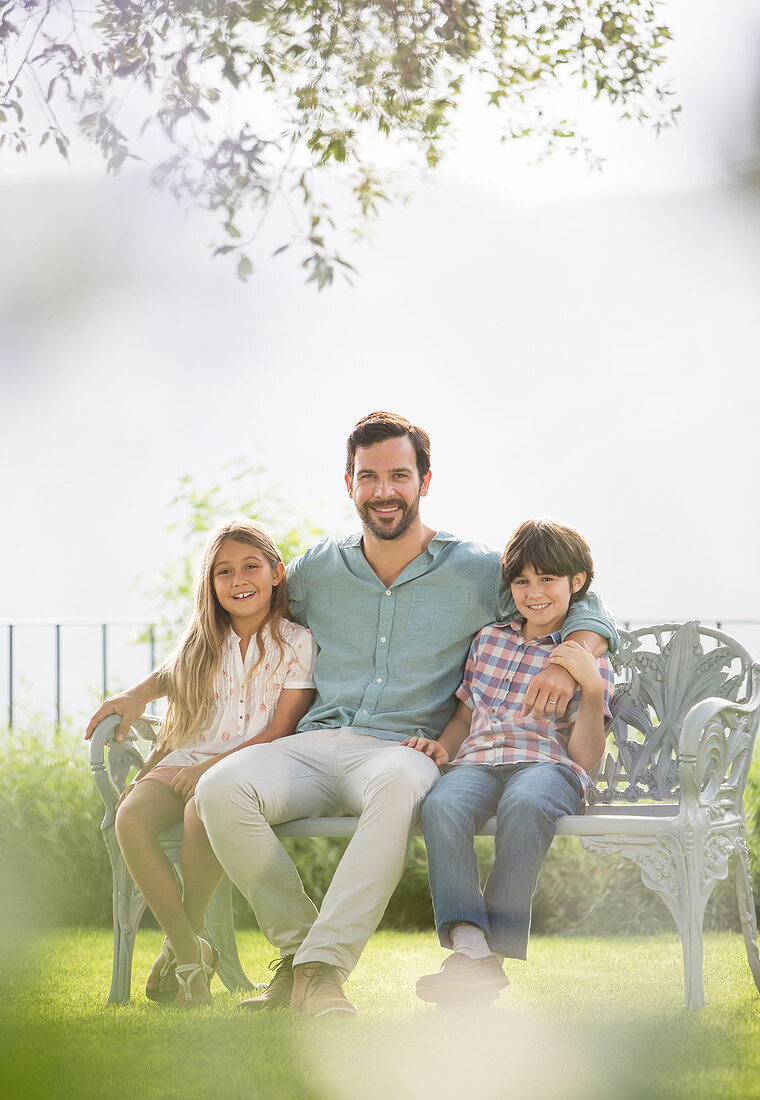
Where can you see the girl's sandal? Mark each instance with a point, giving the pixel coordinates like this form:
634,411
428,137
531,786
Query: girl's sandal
169,993
208,961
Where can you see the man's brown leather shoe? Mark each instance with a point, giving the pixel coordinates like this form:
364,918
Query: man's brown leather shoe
318,989
277,993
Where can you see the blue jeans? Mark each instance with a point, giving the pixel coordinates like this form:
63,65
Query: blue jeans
527,800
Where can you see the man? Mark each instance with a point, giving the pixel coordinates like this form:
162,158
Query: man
393,611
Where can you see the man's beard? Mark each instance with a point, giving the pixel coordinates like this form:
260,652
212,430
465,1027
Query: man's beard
409,513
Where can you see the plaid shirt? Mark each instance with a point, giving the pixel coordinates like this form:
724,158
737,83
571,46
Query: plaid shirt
499,667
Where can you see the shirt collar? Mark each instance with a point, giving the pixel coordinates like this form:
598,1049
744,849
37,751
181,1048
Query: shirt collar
438,541
233,637
515,627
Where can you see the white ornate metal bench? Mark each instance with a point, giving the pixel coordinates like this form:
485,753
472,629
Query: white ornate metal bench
668,794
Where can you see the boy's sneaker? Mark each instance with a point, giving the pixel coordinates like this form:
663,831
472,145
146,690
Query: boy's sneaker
462,978
277,993
318,989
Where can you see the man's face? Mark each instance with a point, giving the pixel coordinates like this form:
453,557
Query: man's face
386,487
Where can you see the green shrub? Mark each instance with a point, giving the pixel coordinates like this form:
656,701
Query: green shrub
582,893
752,807
316,859
55,869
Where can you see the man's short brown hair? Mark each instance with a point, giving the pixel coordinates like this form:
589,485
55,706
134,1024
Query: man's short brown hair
550,548
378,426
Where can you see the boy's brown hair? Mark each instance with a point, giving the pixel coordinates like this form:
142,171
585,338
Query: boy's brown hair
378,426
550,548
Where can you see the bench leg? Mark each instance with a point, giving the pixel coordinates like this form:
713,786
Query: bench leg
746,901
706,863
128,907
684,871
220,932
691,931
663,869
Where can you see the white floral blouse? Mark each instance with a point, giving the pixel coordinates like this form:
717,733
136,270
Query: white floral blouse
245,709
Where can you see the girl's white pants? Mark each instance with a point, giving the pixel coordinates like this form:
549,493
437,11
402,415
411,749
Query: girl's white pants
322,773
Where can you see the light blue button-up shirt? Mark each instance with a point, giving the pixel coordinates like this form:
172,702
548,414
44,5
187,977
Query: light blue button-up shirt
390,659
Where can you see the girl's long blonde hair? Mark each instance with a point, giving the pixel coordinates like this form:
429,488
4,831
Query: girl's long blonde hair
189,673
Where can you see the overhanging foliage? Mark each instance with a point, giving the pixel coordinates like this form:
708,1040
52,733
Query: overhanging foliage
243,104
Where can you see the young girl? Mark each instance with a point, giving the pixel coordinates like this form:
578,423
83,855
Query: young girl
240,675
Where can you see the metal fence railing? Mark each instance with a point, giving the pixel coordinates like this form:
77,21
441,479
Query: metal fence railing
147,638
144,635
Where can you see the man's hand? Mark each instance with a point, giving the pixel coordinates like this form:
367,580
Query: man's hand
549,692
129,704
577,659
437,753
184,782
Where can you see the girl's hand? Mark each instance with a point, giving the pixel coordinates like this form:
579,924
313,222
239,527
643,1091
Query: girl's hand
433,749
184,782
129,705
580,662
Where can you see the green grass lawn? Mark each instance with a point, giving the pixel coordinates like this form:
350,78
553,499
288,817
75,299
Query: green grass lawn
585,1018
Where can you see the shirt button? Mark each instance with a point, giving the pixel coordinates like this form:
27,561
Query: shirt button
379,680
387,591
382,639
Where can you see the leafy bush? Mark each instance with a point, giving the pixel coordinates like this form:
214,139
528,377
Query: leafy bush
316,858
55,869
752,806
582,893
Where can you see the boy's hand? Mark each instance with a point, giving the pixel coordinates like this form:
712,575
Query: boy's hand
549,692
433,749
577,659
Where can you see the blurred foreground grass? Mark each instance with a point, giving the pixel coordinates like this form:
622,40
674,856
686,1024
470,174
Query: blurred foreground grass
585,1018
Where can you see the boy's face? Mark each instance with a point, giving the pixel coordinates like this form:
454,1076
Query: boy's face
543,599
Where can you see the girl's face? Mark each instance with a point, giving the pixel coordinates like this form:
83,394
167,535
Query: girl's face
243,582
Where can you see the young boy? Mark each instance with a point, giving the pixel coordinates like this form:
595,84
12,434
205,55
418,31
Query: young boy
504,762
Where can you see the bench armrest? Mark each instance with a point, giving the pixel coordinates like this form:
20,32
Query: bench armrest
111,761
715,752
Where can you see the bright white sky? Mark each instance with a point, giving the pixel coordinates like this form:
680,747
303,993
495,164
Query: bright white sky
583,347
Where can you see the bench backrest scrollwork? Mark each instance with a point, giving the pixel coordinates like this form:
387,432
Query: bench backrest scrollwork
661,672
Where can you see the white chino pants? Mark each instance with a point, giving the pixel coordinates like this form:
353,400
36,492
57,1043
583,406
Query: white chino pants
321,773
